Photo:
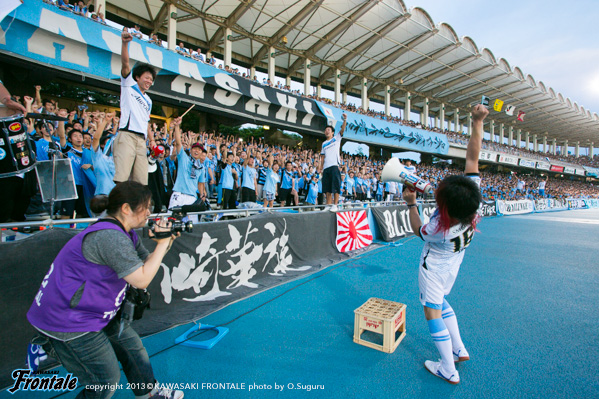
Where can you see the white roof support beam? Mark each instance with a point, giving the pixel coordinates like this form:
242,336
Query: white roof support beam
337,30
473,74
419,64
392,57
365,45
229,22
443,71
285,29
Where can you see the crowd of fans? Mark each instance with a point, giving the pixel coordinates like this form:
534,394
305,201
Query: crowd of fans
86,140
84,8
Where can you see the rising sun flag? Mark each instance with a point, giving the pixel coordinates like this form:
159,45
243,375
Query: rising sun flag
353,231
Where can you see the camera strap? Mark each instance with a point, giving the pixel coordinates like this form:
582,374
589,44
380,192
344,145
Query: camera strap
113,221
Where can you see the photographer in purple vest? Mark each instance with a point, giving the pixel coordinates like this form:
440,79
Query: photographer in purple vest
75,308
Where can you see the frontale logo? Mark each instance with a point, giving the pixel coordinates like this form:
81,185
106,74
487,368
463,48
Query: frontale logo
25,380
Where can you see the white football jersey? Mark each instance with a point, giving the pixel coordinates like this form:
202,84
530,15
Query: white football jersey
411,169
330,150
135,107
444,252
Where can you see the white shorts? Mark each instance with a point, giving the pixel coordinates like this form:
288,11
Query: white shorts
268,196
180,199
434,286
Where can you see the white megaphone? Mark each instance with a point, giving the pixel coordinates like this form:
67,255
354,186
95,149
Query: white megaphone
395,171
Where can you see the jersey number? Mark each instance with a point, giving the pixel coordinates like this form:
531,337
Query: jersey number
462,241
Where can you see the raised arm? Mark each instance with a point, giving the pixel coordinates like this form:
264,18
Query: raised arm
28,103
38,98
479,113
343,125
85,117
103,120
125,67
60,129
320,164
177,132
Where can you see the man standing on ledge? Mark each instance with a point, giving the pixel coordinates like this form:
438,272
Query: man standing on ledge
329,161
130,151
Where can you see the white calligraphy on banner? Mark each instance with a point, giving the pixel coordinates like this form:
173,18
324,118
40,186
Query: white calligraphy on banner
550,204
243,255
577,203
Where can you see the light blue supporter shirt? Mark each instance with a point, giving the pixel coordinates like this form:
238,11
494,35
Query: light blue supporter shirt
103,169
249,174
312,193
226,178
270,183
287,180
76,158
185,183
350,185
42,146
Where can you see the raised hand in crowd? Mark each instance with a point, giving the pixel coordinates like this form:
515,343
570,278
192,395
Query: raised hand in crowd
63,113
38,98
28,103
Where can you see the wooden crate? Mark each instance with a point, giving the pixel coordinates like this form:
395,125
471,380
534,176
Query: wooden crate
381,317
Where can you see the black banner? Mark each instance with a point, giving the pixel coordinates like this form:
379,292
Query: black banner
488,208
235,96
219,263
394,221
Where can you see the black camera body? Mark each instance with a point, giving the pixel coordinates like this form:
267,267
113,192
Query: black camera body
178,224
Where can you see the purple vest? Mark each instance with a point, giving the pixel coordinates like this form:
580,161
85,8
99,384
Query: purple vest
102,296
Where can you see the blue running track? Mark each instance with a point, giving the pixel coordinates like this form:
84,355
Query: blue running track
525,300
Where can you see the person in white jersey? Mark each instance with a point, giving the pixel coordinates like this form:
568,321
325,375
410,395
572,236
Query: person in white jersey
542,185
521,185
409,167
446,236
129,148
330,161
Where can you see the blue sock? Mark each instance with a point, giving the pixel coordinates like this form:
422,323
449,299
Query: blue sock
451,322
442,341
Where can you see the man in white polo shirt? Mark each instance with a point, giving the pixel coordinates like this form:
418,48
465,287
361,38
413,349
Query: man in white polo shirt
129,148
329,159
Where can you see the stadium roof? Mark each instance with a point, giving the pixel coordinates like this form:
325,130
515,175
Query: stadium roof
380,40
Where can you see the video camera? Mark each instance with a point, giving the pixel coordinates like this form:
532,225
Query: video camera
179,223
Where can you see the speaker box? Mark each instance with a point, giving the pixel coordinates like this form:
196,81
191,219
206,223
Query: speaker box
64,185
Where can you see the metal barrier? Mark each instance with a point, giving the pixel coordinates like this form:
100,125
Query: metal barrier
204,217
